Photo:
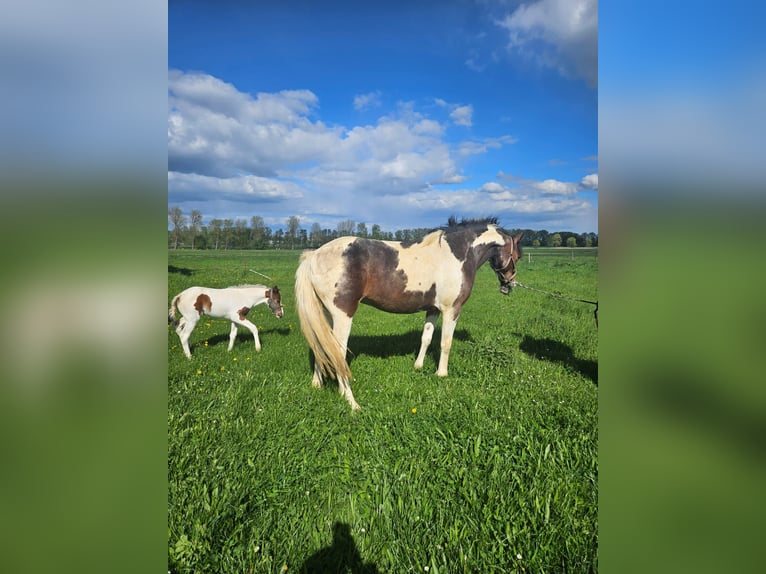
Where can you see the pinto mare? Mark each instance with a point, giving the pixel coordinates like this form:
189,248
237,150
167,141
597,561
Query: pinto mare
435,275
232,303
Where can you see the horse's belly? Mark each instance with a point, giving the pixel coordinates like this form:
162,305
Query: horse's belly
405,302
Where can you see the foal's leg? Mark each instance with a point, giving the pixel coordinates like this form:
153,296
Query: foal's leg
235,320
341,327
425,340
184,331
232,335
449,321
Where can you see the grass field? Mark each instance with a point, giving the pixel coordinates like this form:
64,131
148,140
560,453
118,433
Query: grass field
493,469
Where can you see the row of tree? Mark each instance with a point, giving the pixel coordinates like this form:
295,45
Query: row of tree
190,232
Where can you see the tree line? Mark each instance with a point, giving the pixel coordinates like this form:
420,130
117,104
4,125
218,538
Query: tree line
191,233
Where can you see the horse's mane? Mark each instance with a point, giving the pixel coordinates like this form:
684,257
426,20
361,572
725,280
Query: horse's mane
454,225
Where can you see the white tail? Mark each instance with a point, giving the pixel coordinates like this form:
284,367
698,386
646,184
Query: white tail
329,354
172,312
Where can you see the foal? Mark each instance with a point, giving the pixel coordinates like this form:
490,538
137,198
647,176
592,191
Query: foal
232,303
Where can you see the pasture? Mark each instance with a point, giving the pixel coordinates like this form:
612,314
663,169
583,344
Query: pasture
492,469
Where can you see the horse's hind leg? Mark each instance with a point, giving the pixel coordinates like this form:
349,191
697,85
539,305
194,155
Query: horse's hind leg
316,380
425,340
341,327
184,331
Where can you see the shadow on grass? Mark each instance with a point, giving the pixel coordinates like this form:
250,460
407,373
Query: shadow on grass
342,556
180,270
550,350
384,346
397,344
243,334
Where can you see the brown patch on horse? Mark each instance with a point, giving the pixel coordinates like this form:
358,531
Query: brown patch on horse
203,304
371,277
243,313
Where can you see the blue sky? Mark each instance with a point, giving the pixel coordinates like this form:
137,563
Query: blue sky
395,113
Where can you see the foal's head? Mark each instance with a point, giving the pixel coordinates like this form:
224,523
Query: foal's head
275,302
503,261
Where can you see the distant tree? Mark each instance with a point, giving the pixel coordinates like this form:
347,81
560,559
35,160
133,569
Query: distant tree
555,240
178,221
257,228
293,225
571,241
195,223
240,233
536,243
376,232
588,241
215,228
228,232
361,229
279,236
316,234
345,228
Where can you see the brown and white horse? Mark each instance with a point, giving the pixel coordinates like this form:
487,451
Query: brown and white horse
232,303
435,275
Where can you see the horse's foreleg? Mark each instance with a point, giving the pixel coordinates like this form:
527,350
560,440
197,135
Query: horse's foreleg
249,325
425,340
449,321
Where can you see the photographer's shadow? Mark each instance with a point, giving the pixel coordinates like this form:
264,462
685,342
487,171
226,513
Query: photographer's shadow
341,557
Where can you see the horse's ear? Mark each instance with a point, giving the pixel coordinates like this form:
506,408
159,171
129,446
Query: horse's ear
275,289
517,238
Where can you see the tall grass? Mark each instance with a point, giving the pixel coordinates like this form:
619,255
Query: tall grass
492,469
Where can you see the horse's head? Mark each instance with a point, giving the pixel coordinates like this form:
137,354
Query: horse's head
503,261
275,302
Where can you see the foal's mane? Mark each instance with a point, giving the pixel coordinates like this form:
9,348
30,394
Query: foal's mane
247,286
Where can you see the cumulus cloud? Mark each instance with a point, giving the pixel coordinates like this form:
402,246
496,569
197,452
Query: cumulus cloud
462,115
560,34
232,150
366,101
552,186
196,187
590,181
224,144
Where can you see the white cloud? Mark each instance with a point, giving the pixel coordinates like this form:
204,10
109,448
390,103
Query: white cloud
195,187
226,142
366,101
590,181
462,115
233,152
552,186
561,34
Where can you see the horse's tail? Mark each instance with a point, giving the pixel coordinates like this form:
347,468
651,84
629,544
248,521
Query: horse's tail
329,355
172,312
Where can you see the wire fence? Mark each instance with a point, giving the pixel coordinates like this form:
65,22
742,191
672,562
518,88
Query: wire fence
530,253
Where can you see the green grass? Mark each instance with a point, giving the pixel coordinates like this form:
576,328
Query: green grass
462,474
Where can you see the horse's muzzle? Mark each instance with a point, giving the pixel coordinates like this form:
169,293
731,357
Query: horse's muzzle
505,288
